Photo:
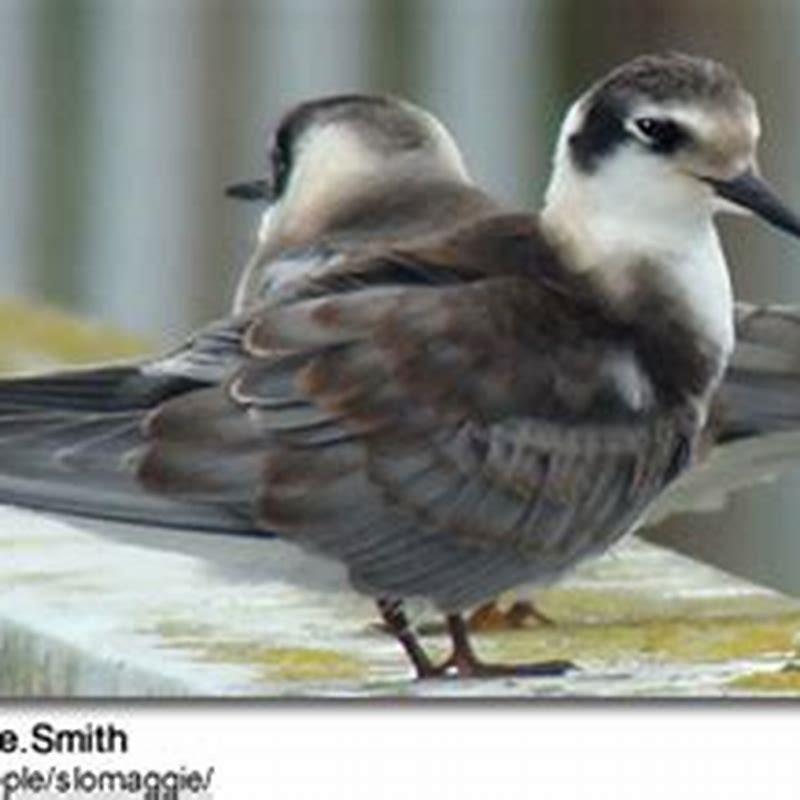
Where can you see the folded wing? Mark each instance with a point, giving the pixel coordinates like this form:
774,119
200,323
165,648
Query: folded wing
442,438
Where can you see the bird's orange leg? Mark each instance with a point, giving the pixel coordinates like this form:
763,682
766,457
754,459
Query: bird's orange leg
521,614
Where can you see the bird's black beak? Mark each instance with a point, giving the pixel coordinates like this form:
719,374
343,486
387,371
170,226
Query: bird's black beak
249,190
750,191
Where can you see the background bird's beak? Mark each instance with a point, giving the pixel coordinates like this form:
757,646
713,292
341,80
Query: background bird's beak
751,192
249,190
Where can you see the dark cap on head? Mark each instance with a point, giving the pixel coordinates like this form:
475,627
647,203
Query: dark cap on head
671,76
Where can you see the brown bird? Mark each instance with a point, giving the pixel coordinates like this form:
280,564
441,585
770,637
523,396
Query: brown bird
450,414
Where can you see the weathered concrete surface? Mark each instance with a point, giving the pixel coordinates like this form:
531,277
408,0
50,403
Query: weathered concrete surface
82,615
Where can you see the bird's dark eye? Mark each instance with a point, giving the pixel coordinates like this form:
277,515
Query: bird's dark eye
663,135
280,163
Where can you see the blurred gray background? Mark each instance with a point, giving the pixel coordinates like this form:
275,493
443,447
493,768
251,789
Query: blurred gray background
123,120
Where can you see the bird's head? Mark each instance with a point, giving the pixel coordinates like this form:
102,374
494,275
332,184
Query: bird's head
670,136
331,152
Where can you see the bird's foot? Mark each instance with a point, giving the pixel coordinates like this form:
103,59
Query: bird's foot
541,669
463,662
522,614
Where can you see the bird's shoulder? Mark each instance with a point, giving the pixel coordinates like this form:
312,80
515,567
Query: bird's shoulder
489,246
484,310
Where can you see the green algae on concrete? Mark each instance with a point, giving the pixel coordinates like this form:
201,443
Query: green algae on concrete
580,604
784,681
33,336
288,663
677,641
179,632
270,663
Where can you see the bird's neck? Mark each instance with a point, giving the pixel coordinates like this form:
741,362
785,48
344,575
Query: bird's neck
665,248
381,211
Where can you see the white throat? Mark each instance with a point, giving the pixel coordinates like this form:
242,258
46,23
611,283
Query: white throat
627,216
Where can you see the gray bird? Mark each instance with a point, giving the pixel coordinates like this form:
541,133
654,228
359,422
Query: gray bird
452,412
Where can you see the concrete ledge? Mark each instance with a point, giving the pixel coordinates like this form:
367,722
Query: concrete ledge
89,615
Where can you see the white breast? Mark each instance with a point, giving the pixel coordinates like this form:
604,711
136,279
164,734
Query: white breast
605,226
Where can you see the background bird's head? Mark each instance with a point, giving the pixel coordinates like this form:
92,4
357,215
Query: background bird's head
331,152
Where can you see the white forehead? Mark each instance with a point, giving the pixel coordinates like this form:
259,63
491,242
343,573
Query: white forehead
573,121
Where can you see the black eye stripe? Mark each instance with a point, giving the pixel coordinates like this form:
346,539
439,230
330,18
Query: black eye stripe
663,135
602,132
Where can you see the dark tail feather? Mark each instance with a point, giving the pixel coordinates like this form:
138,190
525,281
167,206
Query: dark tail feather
107,389
69,443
